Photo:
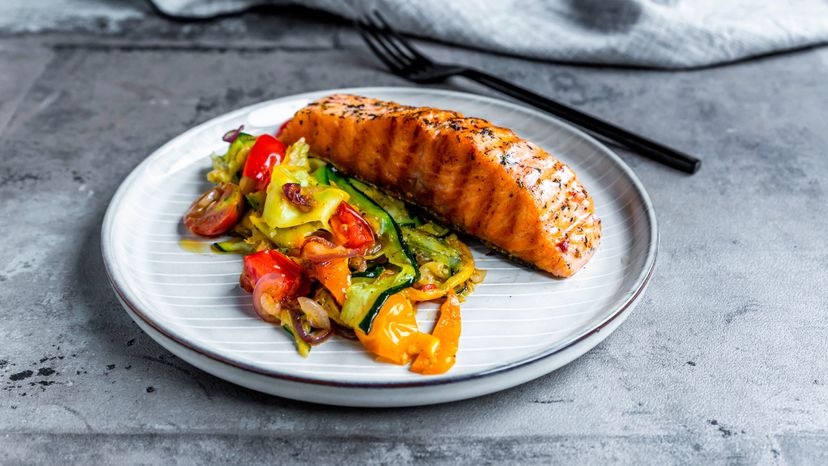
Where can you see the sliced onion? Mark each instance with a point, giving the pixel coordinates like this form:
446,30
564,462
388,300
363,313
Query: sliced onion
321,240
231,135
317,250
264,297
316,314
478,276
293,192
322,234
313,338
266,306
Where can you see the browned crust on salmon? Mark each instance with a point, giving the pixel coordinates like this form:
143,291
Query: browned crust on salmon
480,178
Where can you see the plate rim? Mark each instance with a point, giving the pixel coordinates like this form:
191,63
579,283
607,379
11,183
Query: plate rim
641,282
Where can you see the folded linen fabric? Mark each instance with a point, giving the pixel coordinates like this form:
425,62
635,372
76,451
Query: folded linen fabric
654,33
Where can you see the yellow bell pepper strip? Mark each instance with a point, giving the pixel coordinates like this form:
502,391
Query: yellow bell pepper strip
394,335
281,213
463,274
447,330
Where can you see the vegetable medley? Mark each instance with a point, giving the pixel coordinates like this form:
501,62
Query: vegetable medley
327,254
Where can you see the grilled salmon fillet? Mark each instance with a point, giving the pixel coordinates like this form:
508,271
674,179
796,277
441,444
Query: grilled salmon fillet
480,178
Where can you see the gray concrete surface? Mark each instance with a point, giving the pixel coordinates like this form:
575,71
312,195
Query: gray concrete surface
723,362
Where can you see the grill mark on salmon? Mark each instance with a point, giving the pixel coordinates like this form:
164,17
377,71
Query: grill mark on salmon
477,177
396,150
449,175
349,136
361,162
390,167
336,137
407,156
438,169
506,209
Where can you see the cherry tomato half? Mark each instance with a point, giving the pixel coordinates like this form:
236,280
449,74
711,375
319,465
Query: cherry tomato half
216,211
350,229
271,261
266,153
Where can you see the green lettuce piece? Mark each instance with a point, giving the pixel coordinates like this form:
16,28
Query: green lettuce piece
296,156
226,167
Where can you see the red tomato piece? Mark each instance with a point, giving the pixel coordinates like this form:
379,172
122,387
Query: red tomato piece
350,229
266,153
282,128
216,211
270,261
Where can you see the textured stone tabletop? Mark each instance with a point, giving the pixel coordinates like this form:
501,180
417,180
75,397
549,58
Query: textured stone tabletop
723,361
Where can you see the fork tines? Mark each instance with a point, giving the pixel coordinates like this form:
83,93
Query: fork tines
394,50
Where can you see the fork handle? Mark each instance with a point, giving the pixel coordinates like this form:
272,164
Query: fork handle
644,146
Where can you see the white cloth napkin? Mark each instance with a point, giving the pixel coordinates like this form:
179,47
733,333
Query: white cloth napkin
654,33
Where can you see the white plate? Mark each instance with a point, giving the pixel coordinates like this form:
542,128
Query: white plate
518,324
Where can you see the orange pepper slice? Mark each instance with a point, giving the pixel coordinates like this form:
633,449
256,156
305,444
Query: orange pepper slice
394,335
447,330
335,276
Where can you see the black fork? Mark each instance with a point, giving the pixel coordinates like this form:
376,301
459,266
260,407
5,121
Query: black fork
406,61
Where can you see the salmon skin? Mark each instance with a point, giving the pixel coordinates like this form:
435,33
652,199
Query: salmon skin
477,177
